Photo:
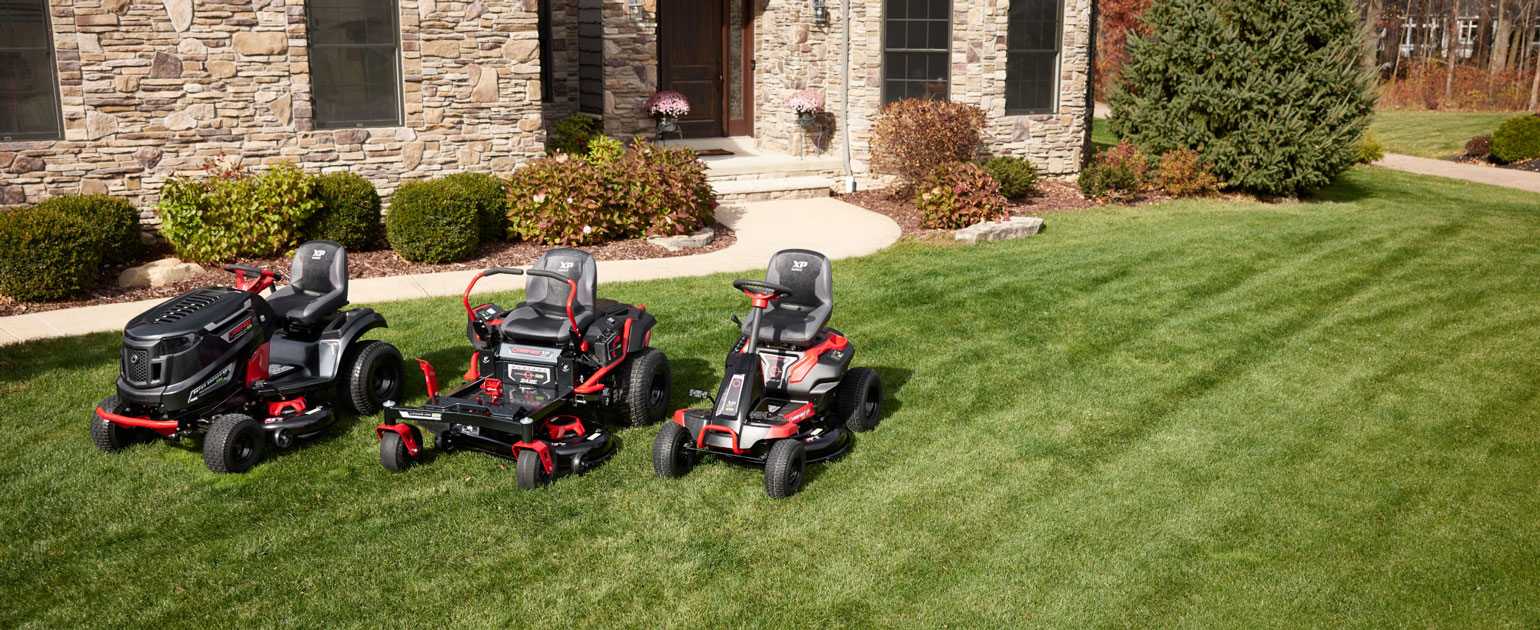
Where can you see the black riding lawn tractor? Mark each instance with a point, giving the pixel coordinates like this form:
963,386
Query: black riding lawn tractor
244,369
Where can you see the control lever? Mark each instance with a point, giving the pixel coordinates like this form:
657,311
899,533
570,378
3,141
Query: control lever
701,393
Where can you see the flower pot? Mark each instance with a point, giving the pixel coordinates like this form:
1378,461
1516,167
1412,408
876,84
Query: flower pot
807,119
668,124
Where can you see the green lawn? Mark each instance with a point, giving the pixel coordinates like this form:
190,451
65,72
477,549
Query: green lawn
1434,134
1197,414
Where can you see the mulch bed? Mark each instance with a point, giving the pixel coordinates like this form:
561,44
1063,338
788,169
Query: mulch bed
1053,196
1532,166
371,264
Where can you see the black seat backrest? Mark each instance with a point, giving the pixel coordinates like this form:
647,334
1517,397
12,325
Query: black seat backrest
809,276
573,263
320,267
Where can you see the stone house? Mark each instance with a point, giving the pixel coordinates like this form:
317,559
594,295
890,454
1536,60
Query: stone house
117,95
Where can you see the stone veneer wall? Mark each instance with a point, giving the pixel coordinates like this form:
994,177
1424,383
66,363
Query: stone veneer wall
154,88
630,66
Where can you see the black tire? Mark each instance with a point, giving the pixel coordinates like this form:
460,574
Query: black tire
371,374
785,468
233,444
672,456
858,399
529,471
109,436
646,382
393,454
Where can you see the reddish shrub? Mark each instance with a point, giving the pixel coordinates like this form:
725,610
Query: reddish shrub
959,195
1479,147
913,137
1184,173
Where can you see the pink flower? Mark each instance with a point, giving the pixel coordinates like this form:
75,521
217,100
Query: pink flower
667,104
805,101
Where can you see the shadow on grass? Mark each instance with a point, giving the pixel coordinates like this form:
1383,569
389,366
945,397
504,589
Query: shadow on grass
1343,190
23,361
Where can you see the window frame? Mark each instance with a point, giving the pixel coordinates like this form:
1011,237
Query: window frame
950,37
52,62
311,46
1058,65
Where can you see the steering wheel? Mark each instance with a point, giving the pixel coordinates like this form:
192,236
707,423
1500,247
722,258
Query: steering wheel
758,287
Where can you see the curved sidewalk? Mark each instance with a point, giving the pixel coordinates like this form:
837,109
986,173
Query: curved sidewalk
1490,175
836,228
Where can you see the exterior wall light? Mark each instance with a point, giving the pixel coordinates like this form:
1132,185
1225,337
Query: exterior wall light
820,12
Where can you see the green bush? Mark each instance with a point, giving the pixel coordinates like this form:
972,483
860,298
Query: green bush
604,150
959,195
47,253
912,137
113,222
1017,176
1276,93
489,195
1116,174
348,212
1184,173
1371,148
432,222
1517,139
647,191
230,213
572,135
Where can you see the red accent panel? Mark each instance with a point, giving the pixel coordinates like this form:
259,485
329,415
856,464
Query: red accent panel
559,431
799,370
592,384
800,413
474,373
466,297
427,372
679,417
571,294
700,440
295,405
408,436
540,449
163,427
256,366
262,283
493,388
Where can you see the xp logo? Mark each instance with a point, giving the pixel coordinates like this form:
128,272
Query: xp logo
565,266
318,254
798,265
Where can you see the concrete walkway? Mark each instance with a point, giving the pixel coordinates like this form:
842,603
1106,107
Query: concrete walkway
836,228
1490,175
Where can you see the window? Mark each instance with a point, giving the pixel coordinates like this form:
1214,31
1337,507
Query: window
354,71
546,55
1032,57
917,38
29,101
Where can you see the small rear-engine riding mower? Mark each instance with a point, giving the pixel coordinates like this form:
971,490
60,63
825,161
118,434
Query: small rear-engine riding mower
787,399
533,367
243,369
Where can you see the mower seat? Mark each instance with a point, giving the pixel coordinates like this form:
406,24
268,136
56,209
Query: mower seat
542,317
797,318
318,284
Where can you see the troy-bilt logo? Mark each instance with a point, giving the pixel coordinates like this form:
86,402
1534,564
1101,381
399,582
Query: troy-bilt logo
800,413
238,330
798,265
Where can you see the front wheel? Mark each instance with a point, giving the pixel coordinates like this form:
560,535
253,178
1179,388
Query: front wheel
110,436
371,375
233,444
858,399
529,471
646,383
393,454
671,454
785,468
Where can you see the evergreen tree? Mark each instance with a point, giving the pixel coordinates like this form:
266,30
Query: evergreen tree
1273,92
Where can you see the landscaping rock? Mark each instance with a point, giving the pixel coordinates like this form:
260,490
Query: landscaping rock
1016,227
158,274
698,238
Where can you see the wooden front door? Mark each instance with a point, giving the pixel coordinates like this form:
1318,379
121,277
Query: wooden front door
705,52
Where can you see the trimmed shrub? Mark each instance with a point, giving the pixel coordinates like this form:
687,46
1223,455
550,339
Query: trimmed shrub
47,253
1184,173
490,196
959,195
1116,174
113,222
648,191
1371,148
1017,176
604,150
231,213
572,135
348,212
1517,139
912,137
432,222
1479,147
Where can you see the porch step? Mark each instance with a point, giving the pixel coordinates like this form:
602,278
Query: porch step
769,166
806,187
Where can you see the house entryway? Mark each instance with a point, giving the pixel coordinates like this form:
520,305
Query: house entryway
745,173
706,53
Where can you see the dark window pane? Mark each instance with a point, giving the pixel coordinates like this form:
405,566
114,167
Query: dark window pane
1031,69
23,24
29,103
897,9
917,39
353,62
917,35
895,35
547,89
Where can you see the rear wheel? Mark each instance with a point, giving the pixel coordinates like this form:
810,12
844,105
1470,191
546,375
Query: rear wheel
529,471
371,374
646,382
785,468
858,399
393,454
233,444
671,454
110,436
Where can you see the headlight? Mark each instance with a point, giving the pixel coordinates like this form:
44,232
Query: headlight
174,345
